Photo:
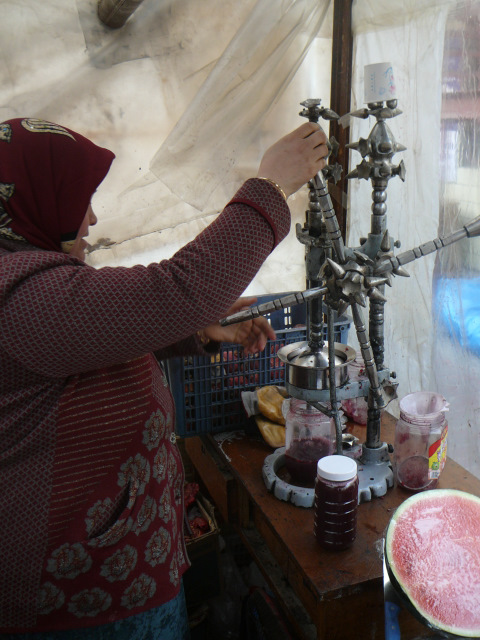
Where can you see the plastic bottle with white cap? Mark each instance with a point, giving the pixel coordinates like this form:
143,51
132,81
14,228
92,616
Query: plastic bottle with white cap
336,502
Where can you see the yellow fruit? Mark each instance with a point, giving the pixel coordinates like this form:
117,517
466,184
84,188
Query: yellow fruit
272,433
270,401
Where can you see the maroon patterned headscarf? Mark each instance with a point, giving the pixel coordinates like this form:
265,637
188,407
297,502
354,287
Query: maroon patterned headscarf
48,174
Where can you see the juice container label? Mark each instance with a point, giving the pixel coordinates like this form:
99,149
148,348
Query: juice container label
437,455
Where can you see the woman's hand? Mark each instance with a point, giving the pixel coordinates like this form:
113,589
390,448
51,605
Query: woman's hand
251,334
296,158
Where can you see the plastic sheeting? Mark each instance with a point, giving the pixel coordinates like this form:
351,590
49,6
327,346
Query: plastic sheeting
432,335
188,94
403,37
226,115
130,88
456,313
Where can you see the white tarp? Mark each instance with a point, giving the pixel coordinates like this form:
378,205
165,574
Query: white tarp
188,94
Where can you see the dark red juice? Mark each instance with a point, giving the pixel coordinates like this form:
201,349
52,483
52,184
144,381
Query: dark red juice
335,520
302,456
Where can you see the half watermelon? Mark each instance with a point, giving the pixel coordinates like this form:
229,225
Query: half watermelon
432,553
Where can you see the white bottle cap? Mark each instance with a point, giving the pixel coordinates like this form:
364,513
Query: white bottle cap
337,468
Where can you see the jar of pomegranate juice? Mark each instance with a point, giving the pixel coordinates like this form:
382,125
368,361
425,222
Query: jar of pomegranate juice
309,436
336,502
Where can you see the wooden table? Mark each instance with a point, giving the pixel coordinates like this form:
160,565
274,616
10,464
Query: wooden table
326,595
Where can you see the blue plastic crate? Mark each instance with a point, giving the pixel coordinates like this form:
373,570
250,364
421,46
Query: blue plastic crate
207,389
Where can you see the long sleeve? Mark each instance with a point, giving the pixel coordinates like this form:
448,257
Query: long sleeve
59,316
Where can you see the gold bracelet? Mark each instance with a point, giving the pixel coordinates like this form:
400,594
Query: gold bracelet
277,186
203,338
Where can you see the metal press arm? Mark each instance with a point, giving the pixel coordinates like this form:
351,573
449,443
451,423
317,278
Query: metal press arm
289,300
395,263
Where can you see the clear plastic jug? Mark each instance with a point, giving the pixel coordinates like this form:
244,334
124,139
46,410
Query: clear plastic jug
420,447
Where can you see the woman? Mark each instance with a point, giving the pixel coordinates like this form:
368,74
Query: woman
92,482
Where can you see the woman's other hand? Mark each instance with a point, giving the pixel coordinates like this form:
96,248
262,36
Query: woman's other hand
251,334
296,158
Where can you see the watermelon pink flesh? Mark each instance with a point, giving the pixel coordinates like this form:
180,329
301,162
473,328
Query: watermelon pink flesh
433,549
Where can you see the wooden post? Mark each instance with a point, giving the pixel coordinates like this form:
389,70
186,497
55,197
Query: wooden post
341,84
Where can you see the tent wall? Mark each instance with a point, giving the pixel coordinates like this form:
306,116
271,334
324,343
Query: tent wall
188,94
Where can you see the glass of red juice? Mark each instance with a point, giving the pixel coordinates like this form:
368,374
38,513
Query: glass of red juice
309,436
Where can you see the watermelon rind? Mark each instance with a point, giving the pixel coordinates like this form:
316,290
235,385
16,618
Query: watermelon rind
413,536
